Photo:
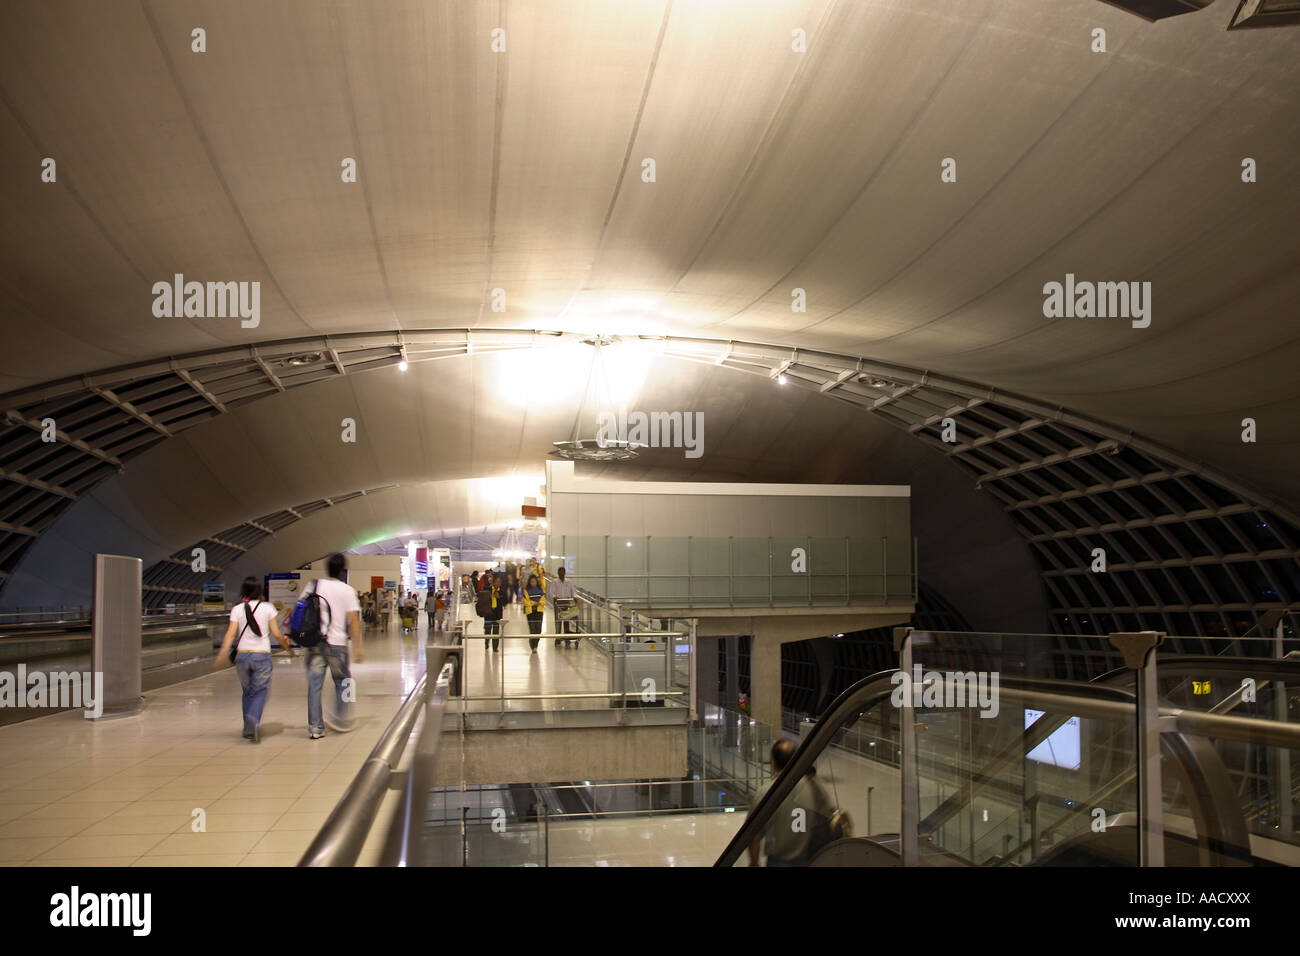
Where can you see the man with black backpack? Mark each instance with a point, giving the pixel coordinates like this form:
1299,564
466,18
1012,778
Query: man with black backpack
328,614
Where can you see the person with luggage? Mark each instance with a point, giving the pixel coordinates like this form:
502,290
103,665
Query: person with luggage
564,599
439,619
248,644
340,613
534,599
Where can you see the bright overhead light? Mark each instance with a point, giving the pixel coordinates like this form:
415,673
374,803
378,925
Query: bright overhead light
403,365
780,380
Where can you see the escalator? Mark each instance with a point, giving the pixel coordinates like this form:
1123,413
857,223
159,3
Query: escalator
1052,778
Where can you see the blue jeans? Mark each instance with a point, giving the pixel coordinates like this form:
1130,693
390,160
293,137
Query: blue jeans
335,658
254,672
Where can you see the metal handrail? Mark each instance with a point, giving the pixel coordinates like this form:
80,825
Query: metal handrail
561,636
408,821
340,840
593,695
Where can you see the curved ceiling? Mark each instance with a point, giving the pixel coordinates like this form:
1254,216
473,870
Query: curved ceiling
522,171
443,429
515,179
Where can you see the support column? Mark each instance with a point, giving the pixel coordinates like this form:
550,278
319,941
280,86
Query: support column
765,679
706,672
731,696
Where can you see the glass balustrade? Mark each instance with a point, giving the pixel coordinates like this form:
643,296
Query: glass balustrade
704,572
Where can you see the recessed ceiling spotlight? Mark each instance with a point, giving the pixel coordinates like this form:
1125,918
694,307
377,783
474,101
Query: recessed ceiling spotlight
780,380
306,358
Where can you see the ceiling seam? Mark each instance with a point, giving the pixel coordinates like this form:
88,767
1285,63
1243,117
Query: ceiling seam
627,158
764,142
212,160
361,178
498,122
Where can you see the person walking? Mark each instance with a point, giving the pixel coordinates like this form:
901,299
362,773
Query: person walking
781,843
251,621
342,610
386,610
485,607
430,605
500,598
439,619
534,599
564,598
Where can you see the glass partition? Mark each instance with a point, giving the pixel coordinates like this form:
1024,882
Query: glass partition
703,572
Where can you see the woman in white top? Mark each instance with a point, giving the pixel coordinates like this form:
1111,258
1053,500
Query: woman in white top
252,620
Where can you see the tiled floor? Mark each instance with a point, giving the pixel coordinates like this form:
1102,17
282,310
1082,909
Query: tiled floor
515,669
130,791
686,839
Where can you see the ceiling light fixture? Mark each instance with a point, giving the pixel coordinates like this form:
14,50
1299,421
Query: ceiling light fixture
306,358
599,448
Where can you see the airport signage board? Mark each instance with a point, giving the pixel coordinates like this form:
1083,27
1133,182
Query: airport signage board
283,589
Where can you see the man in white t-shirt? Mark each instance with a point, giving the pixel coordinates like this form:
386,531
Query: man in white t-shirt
563,596
343,612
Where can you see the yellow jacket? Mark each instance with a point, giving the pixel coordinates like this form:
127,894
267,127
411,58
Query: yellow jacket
530,606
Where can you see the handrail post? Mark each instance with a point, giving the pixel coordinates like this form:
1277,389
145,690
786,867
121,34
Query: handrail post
807,544
884,572
692,670
1282,769
1139,650
909,804
848,591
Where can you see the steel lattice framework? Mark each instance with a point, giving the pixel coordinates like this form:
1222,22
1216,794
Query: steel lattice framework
1189,550
173,580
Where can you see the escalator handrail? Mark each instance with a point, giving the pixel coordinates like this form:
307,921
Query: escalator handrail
861,695
856,698
1083,698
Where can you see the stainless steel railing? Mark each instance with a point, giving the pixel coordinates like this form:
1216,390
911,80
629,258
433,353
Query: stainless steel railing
340,840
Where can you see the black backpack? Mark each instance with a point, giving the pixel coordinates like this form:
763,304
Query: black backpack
305,626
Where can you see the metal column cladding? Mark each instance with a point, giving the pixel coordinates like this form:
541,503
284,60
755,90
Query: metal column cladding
115,645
